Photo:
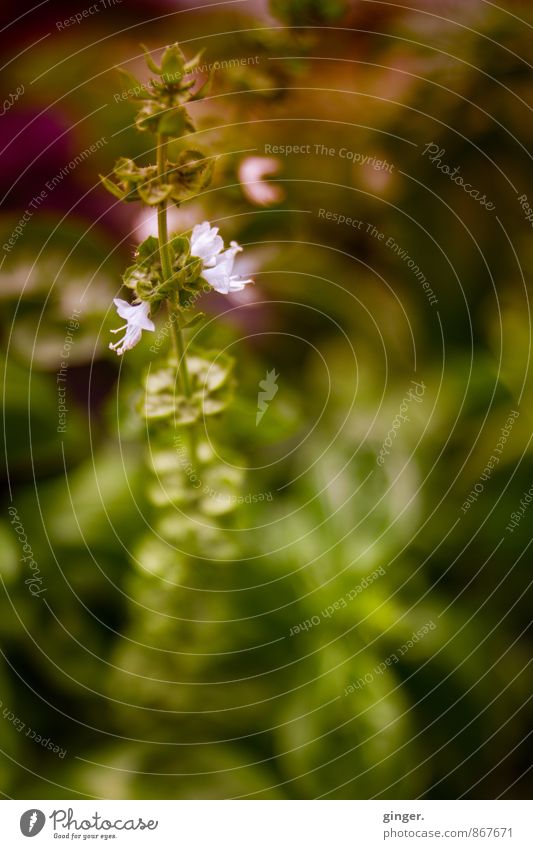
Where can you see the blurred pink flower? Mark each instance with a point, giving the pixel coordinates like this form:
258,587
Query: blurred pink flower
375,179
252,173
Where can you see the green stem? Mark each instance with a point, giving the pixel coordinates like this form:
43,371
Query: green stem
173,307
166,267
179,347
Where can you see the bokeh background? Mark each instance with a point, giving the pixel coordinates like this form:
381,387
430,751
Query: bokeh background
160,675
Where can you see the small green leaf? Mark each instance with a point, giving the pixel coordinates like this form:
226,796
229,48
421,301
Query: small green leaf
194,62
124,168
204,88
158,407
134,88
190,161
112,187
162,493
217,375
210,372
163,401
133,276
193,269
186,411
162,380
148,117
218,504
144,276
172,65
148,251
153,192
127,171
196,319
214,406
181,249
187,295
163,461
174,122
221,485
149,61
145,282
191,174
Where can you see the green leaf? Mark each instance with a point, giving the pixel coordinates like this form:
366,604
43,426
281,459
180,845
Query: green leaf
164,461
146,282
211,376
134,275
221,486
163,401
112,187
196,319
171,491
158,559
148,117
186,411
181,249
160,380
194,62
172,64
217,376
144,276
204,88
158,407
210,373
193,161
134,182
154,192
193,270
191,174
134,88
149,61
187,295
127,171
174,122
148,251
214,406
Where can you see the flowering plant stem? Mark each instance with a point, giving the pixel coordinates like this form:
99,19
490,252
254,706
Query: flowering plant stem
180,391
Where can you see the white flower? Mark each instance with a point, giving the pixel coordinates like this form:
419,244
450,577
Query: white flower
217,264
220,277
137,320
206,244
